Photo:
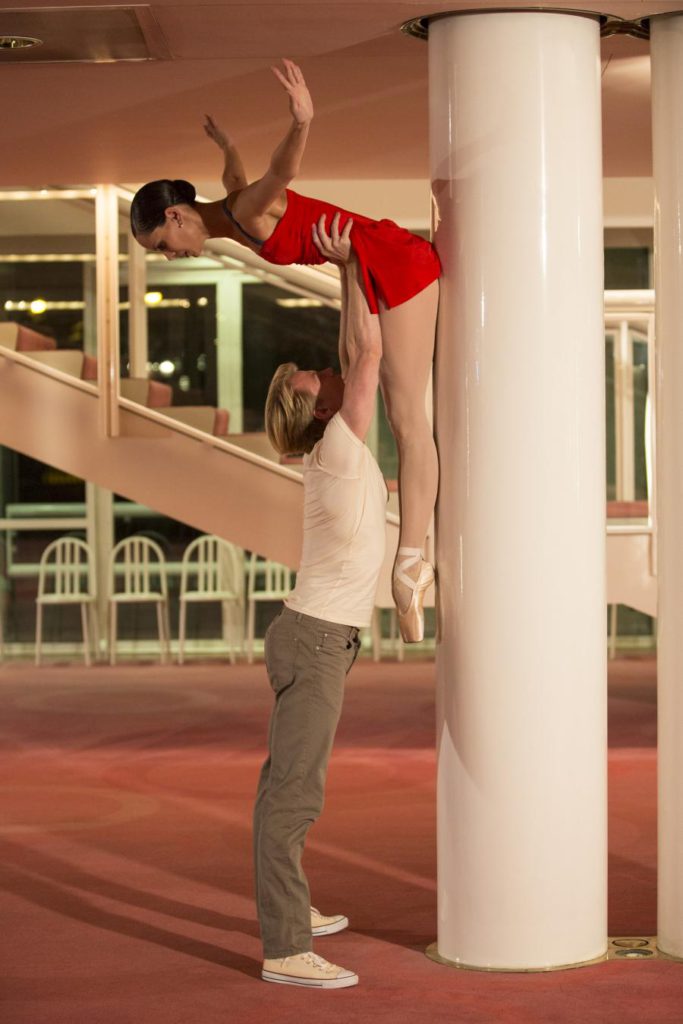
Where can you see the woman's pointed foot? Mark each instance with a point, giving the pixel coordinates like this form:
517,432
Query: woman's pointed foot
413,577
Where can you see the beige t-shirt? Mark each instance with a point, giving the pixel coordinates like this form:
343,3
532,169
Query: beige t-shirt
345,499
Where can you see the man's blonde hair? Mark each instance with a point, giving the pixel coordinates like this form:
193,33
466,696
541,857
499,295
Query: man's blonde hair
290,421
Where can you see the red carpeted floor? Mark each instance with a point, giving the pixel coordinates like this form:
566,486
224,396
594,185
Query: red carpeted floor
126,796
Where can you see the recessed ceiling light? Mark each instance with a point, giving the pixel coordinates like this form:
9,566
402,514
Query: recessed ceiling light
18,42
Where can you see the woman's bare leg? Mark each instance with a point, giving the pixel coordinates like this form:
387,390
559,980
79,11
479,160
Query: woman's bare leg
408,335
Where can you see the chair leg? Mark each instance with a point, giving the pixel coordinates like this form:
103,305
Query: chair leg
233,612
613,609
167,629
251,618
238,620
376,633
181,629
163,636
160,628
232,631
242,625
393,629
112,632
228,629
396,640
39,633
92,610
86,634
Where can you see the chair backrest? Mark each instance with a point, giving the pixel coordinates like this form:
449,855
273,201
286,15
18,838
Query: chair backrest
66,568
212,566
135,565
270,578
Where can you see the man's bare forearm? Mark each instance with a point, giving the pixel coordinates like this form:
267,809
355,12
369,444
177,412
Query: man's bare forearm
343,316
362,334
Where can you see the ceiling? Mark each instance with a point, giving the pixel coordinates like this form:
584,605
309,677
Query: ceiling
130,121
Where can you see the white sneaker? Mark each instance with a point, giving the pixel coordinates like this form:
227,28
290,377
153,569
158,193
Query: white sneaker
321,925
309,970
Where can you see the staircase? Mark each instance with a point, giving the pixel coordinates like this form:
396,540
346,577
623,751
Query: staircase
180,462
150,393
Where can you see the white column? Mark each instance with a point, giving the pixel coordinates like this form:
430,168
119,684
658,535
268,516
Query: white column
90,309
229,347
520,419
625,426
667,134
107,252
137,310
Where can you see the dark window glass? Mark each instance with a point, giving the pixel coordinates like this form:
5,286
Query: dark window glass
275,334
627,268
184,334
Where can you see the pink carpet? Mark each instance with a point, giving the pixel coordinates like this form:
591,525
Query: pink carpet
126,799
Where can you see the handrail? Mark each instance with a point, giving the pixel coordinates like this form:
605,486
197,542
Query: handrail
320,282
628,529
156,416
49,371
68,523
641,300
312,281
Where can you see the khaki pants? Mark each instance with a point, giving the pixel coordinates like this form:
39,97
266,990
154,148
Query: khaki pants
307,661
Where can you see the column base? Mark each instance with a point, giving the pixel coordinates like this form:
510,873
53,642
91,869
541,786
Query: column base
661,955
433,953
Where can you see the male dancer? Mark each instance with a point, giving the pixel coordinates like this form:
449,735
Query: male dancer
313,642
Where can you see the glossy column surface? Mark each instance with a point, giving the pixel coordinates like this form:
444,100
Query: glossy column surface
667,136
108,351
520,421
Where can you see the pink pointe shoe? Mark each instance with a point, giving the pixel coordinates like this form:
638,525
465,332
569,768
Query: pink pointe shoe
411,621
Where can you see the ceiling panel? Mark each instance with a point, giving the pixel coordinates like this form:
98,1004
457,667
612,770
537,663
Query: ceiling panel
83,123
274,30
92,34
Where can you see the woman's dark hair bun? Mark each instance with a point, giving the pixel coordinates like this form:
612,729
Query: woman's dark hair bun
185,189
147,211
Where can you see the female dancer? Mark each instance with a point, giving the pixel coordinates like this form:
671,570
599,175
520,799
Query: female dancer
400,277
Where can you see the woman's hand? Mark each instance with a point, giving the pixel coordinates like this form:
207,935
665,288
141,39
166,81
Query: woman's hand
335,246
216,134
292,81
233,170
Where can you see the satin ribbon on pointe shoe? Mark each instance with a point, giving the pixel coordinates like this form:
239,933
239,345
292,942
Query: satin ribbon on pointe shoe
411,621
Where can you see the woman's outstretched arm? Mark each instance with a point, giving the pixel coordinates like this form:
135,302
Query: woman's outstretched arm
233,169
286,160
256,199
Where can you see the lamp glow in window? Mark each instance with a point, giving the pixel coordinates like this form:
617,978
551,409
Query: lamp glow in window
38,306
298,303
153,298
167,367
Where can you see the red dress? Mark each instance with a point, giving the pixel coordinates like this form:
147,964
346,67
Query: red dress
395,264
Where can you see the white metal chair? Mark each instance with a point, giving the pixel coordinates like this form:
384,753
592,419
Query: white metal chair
216,569
266,581
66,577
3,607
140,565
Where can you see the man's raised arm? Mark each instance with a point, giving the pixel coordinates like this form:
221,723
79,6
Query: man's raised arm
361,338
